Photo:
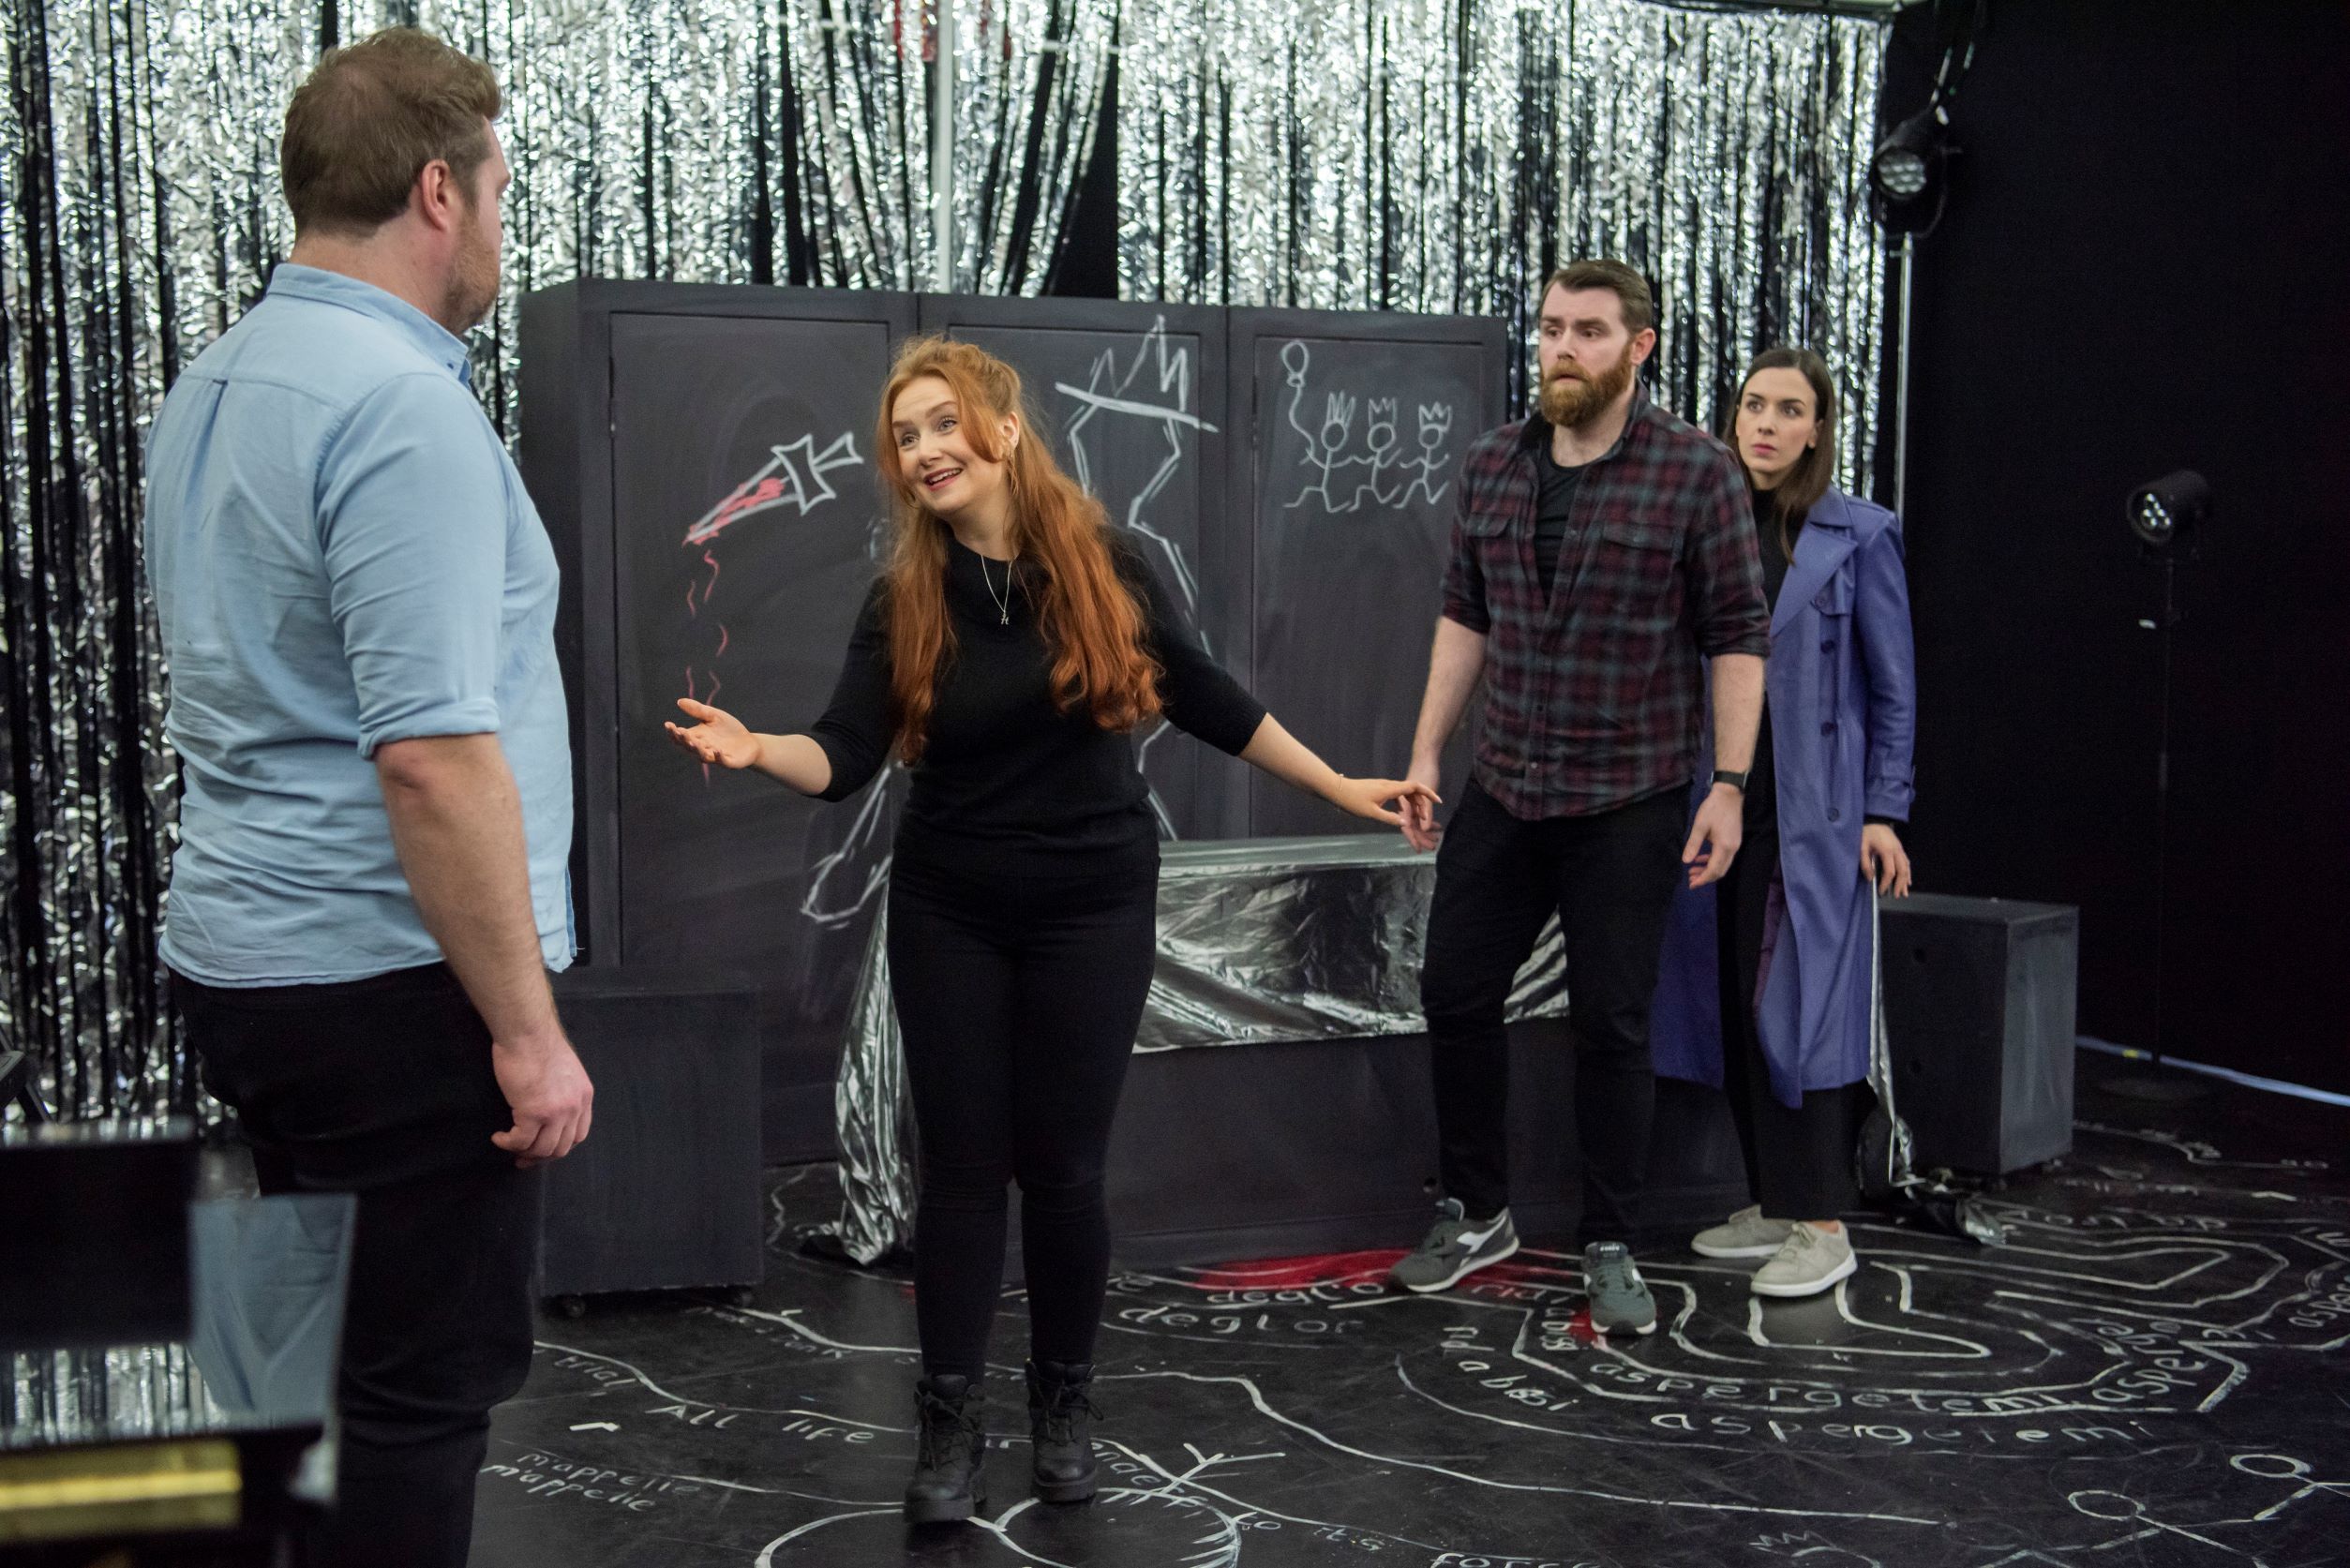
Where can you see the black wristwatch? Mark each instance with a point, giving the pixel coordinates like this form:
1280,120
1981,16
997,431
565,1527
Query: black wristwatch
1734,777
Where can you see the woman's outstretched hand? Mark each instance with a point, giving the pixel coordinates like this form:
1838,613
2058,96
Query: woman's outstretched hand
1371,797
720,738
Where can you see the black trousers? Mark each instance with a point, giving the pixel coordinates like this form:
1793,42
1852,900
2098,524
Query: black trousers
1799,1158
1611,878
1018,1000
382,1088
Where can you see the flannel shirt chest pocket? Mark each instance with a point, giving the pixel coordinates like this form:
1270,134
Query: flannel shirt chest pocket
1633,578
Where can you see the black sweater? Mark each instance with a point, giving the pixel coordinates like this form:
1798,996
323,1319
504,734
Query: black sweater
1008,783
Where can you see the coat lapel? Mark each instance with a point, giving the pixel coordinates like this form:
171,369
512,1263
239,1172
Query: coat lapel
1823,545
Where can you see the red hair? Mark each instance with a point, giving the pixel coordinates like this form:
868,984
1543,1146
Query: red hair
1092,625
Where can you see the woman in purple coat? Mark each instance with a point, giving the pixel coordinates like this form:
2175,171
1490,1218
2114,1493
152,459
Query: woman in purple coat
1765,985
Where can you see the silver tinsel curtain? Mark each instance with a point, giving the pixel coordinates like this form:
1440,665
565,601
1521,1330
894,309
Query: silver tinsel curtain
709,141
1409,154
1390,154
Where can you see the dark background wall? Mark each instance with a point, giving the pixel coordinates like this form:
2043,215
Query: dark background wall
2143,265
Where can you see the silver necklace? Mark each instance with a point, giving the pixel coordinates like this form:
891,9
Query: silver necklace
1003,601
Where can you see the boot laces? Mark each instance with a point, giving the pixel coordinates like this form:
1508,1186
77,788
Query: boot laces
1061,1409
946,1431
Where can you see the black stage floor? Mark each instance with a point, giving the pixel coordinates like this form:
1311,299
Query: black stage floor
2155,1372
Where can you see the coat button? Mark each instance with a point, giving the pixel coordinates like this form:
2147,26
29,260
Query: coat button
1828,726
1828,647
1835,816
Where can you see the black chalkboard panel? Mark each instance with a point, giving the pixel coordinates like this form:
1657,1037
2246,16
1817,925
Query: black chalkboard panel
748,533
1131,398
702,457
1359,423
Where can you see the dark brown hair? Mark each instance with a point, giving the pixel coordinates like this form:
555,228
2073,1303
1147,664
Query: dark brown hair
1093,627
368,120
1808,480
1636,305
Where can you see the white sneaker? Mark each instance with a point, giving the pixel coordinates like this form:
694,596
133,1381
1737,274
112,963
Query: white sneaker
1744,1235
1808,1262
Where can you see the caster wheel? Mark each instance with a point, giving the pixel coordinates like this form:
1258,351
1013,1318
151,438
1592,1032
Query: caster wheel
568,1306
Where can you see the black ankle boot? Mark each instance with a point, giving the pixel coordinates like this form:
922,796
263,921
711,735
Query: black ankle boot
1059,1415
946,1485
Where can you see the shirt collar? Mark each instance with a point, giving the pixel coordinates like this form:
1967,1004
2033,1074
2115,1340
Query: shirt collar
1536,434
442,346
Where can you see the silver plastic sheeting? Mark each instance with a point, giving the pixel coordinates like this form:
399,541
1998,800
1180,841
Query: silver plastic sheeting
1414,155
1261,941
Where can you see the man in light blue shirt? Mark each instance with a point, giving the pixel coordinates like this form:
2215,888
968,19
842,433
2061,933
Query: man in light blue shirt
357,602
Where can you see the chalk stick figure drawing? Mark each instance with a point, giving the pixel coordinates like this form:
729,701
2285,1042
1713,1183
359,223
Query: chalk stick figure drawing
1434,459
2283,1467
1346,472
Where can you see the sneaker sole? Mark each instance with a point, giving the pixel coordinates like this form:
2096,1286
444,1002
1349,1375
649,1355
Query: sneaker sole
951,1511
1768,1249
1466,1269
1784,1292
1648,1327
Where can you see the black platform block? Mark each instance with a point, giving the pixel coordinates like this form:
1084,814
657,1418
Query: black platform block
1280,1150
1979,999
94,1234
664,1193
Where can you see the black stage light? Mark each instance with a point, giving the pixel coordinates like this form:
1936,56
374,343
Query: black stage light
1909,159
2167,512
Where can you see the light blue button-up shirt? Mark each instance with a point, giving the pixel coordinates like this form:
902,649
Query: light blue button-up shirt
343,555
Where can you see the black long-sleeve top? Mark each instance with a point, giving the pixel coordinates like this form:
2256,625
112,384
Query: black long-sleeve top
1007,782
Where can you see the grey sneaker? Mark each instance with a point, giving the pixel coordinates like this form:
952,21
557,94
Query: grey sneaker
1744,1235
1808,1262
1619,1296
1453,1247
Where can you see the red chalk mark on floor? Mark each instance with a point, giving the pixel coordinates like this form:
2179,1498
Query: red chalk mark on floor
1290,1274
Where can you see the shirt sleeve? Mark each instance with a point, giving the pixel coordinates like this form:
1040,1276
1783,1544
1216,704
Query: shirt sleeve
1201,698
1464,577
858,727
412,514
1727,606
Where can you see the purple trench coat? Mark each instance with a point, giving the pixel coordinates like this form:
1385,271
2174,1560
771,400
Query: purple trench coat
1842,687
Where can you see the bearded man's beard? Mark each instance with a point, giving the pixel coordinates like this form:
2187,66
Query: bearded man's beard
473,281
1572,401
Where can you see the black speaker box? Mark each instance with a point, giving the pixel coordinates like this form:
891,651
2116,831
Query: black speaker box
665,1193
1979,997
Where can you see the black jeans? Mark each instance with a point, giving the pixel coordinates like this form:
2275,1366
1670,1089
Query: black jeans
1018,1000
1799,1158
382,1088
1611,878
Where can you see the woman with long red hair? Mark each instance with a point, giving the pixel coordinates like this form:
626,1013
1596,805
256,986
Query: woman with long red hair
1006,654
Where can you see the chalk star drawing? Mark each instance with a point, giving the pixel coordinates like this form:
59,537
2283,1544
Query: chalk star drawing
797,476
794,476
1352,474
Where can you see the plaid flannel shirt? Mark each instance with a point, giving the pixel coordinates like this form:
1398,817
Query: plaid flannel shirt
1593,690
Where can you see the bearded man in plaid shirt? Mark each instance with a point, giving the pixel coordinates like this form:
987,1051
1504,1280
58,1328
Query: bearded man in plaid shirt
1603,552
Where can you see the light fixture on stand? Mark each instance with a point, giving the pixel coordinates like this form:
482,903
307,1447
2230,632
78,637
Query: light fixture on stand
2168,516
